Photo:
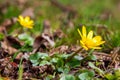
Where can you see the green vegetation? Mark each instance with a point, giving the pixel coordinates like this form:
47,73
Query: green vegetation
42,51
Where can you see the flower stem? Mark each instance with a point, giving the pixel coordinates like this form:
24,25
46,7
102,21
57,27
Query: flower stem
90,52
71,56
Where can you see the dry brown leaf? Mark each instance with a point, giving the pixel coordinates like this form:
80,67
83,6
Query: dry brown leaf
28,12
19,56
39,44
10,45
7,24
58,34
42,43
48,38
60,49
10,50
2,29
3,53
13,42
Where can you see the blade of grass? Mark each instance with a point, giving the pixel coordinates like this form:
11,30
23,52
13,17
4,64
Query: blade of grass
20,70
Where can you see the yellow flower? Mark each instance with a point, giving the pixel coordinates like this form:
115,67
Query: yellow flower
88,41
26,22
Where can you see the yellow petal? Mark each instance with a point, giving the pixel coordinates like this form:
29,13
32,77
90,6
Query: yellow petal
84,33
30,27
82,43
88,41
21,17
27,19
90,35
97,38
79,32
26,22
96,47
31,22
100,42
86,48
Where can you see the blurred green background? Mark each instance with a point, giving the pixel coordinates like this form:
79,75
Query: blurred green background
68,15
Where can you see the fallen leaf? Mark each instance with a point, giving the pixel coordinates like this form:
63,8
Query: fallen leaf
48,38
13,42
28,12
58,34
60,49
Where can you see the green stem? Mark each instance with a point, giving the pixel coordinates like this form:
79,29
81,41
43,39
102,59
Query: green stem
90,52
20,70
71,56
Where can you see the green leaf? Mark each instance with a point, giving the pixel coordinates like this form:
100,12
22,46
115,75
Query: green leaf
78,57
34,57
91,65
26,48
96,68
91,73
54,60
93,57
117,72
109,76
65,69
67,77
42,55
49,77
1,78
60,69
27,38
64,56
86,75
1,36
44,62
39,59
115,76
35,63
60,62
73,63
38,56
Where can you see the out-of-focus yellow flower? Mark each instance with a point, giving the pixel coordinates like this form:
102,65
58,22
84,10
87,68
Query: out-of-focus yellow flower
26,22
88,41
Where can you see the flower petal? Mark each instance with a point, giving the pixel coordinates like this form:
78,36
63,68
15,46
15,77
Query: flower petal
21,17
86,48
88,41
26,22
31,22
27,18
79,32
96,47
97,38
90,35
84,33
99,43
82,43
